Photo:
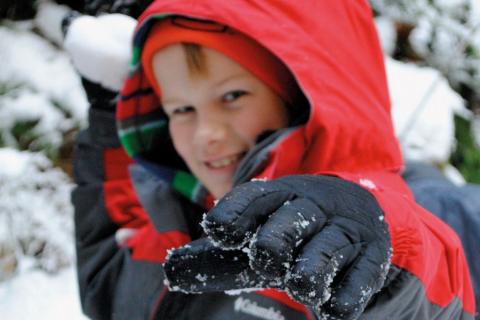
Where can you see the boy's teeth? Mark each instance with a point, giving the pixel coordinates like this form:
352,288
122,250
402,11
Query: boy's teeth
223,162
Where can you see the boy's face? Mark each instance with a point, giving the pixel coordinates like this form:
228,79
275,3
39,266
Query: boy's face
215,116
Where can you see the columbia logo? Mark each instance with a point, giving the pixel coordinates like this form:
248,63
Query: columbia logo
252,308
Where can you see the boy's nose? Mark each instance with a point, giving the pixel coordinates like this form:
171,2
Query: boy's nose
211,130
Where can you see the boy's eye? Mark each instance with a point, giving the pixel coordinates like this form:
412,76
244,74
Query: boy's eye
233,95
179,111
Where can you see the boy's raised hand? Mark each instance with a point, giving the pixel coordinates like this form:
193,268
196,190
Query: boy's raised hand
321,239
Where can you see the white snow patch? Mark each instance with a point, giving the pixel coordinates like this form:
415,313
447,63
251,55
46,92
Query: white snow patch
37,227
35,210
423,105
387,33
30,60
201,277
49,20
33,294
32,107
237,292
14,163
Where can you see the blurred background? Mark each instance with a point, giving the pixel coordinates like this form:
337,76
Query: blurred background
432,50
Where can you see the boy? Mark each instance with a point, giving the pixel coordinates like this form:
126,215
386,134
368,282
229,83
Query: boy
225,107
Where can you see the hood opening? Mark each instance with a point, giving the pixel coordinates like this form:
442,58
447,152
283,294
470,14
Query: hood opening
157,148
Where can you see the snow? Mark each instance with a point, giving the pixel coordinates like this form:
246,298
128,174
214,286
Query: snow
32,107
13,163
49,20
237,292
37,276
36,239
37,295
45,70
387,33
423,105
35,205
101,47
201,277
302,223
446,34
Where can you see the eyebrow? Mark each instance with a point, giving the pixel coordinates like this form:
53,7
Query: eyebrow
232,77
175,100
170,101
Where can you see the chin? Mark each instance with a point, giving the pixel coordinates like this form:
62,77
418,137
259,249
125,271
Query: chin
219,191
218,194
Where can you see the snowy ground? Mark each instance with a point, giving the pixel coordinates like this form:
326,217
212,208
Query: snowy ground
44,286
37,295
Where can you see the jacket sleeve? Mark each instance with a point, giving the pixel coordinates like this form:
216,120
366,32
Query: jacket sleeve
429,277
119,252
458,206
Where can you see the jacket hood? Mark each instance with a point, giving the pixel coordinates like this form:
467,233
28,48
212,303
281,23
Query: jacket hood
335,56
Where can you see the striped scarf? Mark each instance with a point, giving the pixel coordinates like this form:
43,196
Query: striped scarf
143,128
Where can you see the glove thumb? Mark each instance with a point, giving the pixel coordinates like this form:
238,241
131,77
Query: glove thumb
200,266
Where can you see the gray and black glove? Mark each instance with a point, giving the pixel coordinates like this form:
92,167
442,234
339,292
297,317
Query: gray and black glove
320,238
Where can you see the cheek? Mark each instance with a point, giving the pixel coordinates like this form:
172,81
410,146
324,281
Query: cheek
248,131
253,124
277,113
182,138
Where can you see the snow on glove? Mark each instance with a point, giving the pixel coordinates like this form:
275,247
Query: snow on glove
321,239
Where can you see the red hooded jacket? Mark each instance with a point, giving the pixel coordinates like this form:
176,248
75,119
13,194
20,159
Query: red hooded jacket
331,48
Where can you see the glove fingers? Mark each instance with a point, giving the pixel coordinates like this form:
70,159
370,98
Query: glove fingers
235,219
202,267
276,243
317,265
363,280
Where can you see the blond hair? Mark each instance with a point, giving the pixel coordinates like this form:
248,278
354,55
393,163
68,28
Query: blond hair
196,61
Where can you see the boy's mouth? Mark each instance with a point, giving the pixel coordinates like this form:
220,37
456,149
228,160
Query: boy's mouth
225,161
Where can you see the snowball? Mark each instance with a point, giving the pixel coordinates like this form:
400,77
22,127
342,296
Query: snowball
101,47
